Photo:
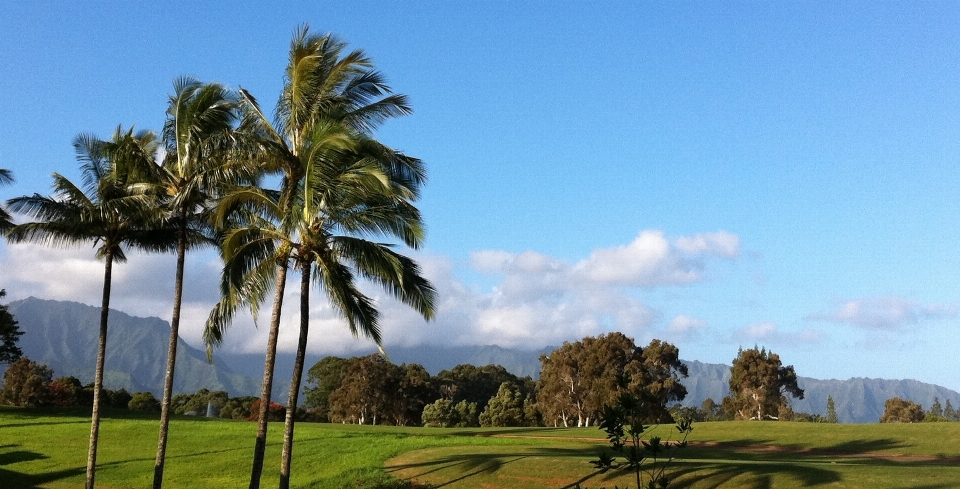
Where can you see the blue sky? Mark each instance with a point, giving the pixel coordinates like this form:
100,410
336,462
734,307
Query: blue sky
713,174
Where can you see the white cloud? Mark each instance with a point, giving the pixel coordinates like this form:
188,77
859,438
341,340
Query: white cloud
686,324
651,260
770,333
887,313
537,300
721,243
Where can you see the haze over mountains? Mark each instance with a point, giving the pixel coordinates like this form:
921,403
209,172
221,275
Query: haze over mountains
63,335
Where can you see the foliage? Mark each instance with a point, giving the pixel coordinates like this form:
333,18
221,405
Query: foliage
119,398
831,416
326,376
275,412
579,378
477,385
6,221
897,410
144,401
65,391
9,331
26,383
758,386
949,413
443,413
504,409
237,407
623,422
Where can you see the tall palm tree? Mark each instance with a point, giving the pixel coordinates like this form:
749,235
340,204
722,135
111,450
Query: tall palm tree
196,135
6,222
104,211
348,198
323,84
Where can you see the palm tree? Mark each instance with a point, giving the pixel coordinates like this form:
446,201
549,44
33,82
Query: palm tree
104,211
349,197
322,85
6,222
197,131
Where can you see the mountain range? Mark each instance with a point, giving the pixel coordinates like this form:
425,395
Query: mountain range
64,335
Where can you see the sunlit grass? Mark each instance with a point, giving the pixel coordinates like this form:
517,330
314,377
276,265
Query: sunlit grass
47,449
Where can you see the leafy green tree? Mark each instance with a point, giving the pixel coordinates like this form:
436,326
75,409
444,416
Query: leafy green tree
936,409
325,376
831,411
897,410
655,379
107,211
579,379
325,87
26,383
237,407
758,385
477,385
6,221
368,392
949,413
467,414
417,390
65,391
144,401
9,334
119,398
504,409
440,414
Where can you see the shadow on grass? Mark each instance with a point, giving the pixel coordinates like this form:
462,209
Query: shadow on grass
11,478
43,423
474,464
35,481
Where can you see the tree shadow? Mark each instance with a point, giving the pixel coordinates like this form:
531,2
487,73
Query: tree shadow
50,423
866,446
12,478
473,464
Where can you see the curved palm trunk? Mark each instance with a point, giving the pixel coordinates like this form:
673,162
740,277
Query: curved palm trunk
287,455
271,360
98,377
171,361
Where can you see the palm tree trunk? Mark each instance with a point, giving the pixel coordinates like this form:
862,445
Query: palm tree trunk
271,359
287,455
171,360
98,377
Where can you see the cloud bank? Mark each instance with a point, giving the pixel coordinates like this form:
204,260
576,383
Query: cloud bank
537,300
887,313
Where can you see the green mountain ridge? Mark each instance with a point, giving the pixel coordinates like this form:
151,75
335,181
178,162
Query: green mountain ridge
63,335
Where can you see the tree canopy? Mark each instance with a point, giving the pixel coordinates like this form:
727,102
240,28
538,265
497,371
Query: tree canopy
9,334
759,384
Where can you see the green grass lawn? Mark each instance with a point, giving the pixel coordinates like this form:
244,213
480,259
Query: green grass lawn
47,449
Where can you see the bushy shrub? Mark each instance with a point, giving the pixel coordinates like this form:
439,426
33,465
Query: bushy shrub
27,384
144,401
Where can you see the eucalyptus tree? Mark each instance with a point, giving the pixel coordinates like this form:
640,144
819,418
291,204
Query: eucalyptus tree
323,83
106,210
197,137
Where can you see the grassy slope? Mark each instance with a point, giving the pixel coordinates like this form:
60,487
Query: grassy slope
41,449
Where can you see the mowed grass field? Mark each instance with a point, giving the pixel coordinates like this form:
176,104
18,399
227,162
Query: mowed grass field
47,449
